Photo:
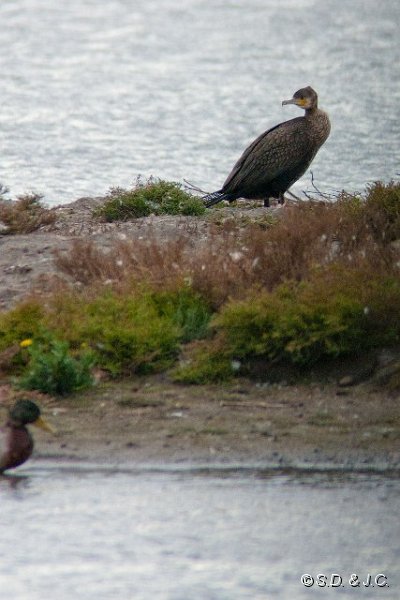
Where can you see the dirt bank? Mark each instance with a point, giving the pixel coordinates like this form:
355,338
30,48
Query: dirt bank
154,420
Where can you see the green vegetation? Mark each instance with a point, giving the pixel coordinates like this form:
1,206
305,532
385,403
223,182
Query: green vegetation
185,309
319,282
53,370
206,362
336,312
20,323
156,197
136,332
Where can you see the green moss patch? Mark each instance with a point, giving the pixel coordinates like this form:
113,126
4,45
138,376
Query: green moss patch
155,196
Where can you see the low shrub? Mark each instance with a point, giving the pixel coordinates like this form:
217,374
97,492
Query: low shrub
382,206
155,196
336,312
127,334
131,332
186,309
25,321
207,361
52,369
25,214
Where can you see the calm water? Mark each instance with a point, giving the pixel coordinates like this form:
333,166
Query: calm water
76,531
94,93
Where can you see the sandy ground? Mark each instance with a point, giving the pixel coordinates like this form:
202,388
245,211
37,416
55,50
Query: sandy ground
152,420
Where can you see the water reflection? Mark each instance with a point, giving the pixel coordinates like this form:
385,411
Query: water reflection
13,481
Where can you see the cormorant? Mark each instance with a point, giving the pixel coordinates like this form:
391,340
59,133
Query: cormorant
279,156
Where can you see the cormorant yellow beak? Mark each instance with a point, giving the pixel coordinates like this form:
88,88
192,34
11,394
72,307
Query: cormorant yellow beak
298,101
43,424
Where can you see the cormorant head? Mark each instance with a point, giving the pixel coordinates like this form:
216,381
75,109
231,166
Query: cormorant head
305,98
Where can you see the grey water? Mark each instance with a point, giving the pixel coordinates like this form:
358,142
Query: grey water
224,533
95,93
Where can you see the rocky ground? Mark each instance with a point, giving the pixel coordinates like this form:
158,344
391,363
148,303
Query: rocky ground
26,259
348,419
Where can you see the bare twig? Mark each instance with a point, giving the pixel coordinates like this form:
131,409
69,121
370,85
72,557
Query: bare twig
193,188
317,189
293,195
251,405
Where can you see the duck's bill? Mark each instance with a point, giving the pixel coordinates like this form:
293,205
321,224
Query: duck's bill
290,101
43,424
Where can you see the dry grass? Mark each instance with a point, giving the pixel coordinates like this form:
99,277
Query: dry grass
25,214
235,258
125,263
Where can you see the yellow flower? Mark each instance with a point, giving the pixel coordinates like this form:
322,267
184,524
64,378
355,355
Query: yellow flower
26,343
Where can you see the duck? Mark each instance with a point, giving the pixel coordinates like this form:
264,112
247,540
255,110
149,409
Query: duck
16,442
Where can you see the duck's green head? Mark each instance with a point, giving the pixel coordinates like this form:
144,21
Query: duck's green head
24,412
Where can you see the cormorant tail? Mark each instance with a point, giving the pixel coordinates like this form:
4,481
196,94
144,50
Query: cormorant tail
215,197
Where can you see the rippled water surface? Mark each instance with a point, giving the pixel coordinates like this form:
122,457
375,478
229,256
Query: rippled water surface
94,93
77,531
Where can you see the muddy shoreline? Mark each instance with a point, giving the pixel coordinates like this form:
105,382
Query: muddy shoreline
154,421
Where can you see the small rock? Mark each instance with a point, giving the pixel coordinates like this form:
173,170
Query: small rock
389,374
176,414
131,445
17,269
346,381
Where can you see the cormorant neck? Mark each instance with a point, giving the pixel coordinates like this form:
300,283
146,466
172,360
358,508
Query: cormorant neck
311,111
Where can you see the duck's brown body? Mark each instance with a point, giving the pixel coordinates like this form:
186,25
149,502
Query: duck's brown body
16,443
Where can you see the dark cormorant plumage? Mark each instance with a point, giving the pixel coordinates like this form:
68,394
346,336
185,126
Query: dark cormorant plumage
279,156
